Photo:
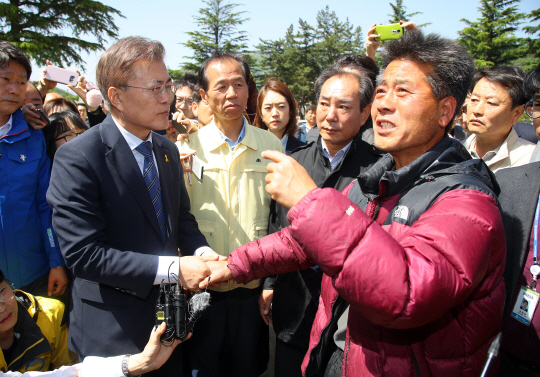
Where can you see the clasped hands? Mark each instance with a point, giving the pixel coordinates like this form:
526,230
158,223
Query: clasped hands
287,183
195,271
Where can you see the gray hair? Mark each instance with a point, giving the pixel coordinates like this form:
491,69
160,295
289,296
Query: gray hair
115,66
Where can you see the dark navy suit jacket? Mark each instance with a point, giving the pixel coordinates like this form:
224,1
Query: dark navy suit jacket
110,238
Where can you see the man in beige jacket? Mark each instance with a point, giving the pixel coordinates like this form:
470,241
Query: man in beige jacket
495,105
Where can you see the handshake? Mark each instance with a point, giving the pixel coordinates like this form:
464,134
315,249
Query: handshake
208,270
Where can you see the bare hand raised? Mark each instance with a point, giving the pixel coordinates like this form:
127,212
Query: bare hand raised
287,181
193,270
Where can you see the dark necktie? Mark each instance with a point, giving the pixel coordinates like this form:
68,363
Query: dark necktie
152,184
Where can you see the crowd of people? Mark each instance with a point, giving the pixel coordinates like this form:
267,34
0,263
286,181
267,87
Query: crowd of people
394,232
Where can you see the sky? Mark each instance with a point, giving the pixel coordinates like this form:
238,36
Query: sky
168,20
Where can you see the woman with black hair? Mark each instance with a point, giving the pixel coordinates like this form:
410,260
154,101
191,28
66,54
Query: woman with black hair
65,126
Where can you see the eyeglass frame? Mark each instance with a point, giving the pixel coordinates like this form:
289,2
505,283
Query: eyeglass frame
161,93
64,137
11,286
188,101
530,105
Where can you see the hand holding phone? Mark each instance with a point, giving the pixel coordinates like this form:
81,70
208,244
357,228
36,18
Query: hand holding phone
61,75
386,32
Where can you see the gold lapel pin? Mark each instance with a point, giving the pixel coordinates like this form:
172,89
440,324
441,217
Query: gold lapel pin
166,159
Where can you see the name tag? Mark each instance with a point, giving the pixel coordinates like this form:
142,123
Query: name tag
525,306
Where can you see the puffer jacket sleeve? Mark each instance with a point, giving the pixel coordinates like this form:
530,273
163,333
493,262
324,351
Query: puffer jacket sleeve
403,277
274,254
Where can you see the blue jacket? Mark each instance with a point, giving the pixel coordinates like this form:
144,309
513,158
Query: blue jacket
28,245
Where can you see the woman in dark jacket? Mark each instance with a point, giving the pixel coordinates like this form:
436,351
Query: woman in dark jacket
276,112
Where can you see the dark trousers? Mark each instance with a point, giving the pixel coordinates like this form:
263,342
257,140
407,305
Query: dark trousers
38,287
225,339
173,367
288,359
511,366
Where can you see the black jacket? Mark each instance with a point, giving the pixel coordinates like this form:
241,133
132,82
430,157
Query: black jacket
296,294
292,144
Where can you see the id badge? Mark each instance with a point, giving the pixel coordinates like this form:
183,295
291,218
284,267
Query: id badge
525,306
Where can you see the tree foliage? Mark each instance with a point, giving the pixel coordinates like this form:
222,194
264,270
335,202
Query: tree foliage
491,40
399,12
533,56
300,56
217,31
37,27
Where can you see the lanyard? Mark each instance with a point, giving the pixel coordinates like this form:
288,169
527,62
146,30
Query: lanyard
535,268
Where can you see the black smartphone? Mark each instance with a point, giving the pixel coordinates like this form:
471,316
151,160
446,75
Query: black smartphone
43,116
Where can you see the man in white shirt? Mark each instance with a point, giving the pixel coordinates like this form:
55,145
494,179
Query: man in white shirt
495,105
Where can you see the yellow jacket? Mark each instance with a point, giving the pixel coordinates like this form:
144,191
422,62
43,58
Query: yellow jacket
42,336
230,203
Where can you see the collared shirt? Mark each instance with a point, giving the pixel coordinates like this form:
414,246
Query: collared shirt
514,151
4,130
133,142
231,143
334,161
535,157
164,261
284,141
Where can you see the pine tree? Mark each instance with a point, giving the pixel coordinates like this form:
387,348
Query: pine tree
399,13
36,27
217,24
491,40
534,42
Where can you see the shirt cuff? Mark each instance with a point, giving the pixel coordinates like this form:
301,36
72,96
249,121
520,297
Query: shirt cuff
102,366
201,250
163,268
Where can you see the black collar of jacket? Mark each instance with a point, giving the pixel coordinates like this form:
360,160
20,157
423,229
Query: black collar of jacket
446,157
30,340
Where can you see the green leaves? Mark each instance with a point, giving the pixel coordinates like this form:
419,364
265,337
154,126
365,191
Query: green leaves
38,28
217,31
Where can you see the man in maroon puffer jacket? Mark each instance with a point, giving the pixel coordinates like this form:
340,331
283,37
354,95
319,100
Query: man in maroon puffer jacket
413,252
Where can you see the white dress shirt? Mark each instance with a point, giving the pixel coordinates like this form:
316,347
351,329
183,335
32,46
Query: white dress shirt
166,263
6,127
334,161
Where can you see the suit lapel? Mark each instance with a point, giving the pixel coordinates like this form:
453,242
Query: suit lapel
164,164
121,158
526,205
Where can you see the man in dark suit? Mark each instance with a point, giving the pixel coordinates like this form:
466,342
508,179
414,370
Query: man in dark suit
519,198
121,209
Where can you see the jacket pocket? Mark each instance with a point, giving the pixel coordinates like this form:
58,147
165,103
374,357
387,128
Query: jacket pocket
103,294
258,229
213,234
24,173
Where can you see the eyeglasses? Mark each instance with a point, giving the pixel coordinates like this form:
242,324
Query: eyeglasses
188,101
6,296
532,108
159,91
69,135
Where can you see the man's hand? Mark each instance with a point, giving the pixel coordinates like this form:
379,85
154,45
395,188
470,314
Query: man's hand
58,281
265,303
409,26
371,43
221,275
212,256
192,271
287,181
31,117
81,91
154,355
172,134
45,85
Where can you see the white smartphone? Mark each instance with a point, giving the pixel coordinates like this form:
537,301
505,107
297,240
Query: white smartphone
61,75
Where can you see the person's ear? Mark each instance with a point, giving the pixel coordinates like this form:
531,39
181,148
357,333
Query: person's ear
447,109
517,112
116,98
194,108
366,112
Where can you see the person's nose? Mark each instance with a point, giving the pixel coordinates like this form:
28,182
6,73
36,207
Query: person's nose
231,92
332,115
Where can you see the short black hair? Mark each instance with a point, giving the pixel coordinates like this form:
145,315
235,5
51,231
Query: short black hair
511,78
61,122
196,95
531,83
362,67
2,276
8,52
452,68
189,79
220,56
